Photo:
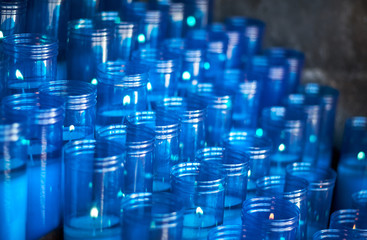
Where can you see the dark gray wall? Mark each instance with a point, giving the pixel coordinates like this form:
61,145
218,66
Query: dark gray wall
333,35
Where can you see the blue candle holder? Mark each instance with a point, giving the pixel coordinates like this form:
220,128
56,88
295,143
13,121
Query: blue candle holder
201,188
360,200
234,49
352,220
125,40
226,232
196,14
259,150
335,234
93,189
167,129
286,128
320,193
293,190
329,98
12,17
13,182
235,166
87,47
151,216
175,20
352,174
30,60
151,29
80,107
192,117
219,104
215,60
116,133
43,117
269,218
121,90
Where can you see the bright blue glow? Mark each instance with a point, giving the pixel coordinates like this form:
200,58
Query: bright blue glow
186,75
19,75
281,147
361,155
1,34
191,21
94,81
94,212
141,38
259,132
207,66
149,86
199,211
126,100
313,138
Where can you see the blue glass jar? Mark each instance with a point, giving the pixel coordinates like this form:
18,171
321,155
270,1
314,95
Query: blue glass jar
30,60
151,29
192,117
13,182
352,220
125,40
293,190
201,188
336,234
269,218
360,200
164,70
175,20
94,174
196,14
12,17
121,90
80,107
312,108
259,150
116,133
215,61
167,127
148,216
286,128
352,167
226,232
219,111
197,39
329,98
234,49
235,166
43,118
320,193
87,47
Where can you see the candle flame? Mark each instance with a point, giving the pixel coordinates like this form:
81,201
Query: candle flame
94,212
354,226
271,216
199,211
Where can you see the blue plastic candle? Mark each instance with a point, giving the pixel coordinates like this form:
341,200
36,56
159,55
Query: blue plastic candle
226,232
12,17
293,190
30,60
336,234
269,218
196,14
43,117
148,216
125,40
94,174
175,20
354,221
215,61
122,89
286,128
320,193
235,165
150,29
201,187
352,168
13,182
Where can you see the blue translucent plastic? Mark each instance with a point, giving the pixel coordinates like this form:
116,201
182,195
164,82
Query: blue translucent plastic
94,174
269,218
122,89
167,127
151,29
175,20
197,39
329,98
259,150
192,117
235,166
360,200
312,107
164,72
80,107
352,167
219,104
293,190
30,60
13,182
43,117
352,220
201,187
125,40
148,216
337,234
320,193
215,60
196,14
286,128
133,11
87,47
234,49
12,17
83,9
226,232
294,62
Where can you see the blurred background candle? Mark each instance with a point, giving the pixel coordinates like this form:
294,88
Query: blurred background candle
12,17
94,175
13,182
360,200
335,234
352,220
43,117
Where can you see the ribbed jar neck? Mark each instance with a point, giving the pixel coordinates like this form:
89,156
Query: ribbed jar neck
34,108
85,29
270,214
13,7
282,117
139,140
116,133
214,98
94,156
349,219
176,10
176,45
30,46
123,74
126,28
310,105
193,55
225,232
161,209
10,132
159,61
78,95
356,123
328,94
333,234
152,17
360,200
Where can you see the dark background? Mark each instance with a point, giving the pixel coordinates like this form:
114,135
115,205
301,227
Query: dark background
331,33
